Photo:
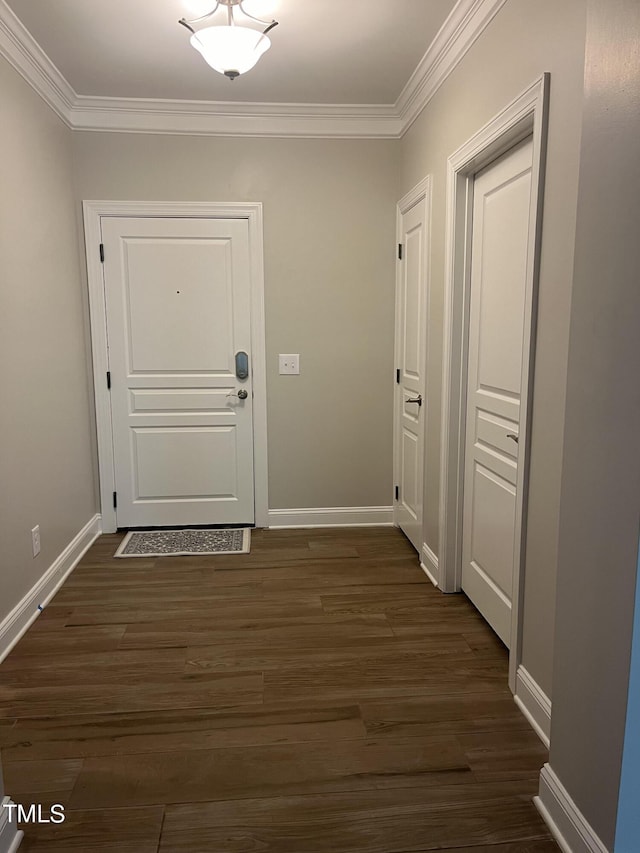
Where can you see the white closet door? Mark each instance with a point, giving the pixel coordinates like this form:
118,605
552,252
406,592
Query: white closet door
501,210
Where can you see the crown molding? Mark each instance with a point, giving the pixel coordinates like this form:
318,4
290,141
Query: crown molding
223,118
464,25
23,52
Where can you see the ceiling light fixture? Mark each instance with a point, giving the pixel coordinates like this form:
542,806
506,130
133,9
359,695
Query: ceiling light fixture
234,48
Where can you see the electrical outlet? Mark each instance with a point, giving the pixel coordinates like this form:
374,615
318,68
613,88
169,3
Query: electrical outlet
35,540
289,364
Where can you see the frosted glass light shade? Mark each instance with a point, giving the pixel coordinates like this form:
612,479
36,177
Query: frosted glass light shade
230,50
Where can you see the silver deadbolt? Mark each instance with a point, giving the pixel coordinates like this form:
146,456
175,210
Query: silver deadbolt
242,365
243,394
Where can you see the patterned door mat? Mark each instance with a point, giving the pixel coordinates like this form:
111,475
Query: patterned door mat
182,543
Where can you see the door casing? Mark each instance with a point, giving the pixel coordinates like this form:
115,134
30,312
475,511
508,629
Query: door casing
526,116
251,211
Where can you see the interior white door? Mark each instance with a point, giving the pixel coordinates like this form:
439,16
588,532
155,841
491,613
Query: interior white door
499,250
177,297
411,331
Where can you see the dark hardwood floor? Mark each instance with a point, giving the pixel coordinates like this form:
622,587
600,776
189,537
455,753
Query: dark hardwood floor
315,696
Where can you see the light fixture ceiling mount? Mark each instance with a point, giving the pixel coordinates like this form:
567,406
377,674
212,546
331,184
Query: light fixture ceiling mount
234,48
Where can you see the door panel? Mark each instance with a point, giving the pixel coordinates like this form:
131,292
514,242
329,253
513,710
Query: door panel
182,474
499,252
413,255
174,325
411,325
492,531
504,219
177,300
178,400
409,468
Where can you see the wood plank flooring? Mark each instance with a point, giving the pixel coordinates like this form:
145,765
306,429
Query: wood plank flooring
317,695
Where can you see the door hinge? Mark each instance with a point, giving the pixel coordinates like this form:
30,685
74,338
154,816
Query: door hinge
115,500
101,253
397,493
399,251
397,375
109,379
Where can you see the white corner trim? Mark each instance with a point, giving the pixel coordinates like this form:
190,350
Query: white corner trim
23,52
534,704
565,820
10,835
26,611
463,27
343,516
429,565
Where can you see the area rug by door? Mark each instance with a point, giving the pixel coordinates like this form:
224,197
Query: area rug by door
180,543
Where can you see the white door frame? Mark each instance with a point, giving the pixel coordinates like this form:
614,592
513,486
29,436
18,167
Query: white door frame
420,194
526,116
252,212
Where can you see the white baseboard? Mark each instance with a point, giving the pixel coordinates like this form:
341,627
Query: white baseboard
341,516
26,611
10,835
566,822
534,704
429,565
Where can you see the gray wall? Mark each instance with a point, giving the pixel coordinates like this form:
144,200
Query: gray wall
46,466
600,503
523,41
329,210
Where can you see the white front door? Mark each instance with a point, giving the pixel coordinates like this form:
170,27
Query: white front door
499,251
177,298
411,330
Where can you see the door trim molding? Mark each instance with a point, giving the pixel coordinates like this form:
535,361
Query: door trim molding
252,212
420,194
526,116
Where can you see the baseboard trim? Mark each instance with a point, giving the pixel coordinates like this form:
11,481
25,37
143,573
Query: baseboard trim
534,704
26,611
565,820
342,516
429,565
10,835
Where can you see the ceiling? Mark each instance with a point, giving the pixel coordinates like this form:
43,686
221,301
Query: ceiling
323,52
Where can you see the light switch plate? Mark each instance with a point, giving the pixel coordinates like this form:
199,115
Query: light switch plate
289,364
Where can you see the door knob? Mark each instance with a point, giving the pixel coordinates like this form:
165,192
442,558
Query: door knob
417,400
242,394
512,436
